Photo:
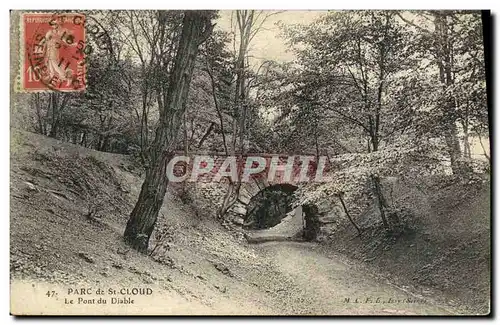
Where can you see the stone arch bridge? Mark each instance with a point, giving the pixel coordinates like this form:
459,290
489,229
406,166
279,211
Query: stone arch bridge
267,180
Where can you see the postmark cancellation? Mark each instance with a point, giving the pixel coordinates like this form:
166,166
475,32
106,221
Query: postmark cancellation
52,52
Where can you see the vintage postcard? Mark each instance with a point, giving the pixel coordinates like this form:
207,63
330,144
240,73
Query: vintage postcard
250,162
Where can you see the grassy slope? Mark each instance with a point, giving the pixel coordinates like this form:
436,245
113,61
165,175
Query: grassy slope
447,250
53,187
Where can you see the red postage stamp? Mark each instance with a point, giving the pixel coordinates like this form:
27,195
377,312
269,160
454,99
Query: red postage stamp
52,52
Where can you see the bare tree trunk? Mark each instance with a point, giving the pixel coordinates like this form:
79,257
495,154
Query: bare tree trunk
454,151
340,196
246,24
55,114
465,124
83,142
217,108
484,149
467,151
444,58
381,203
186,138
57,104
316,136
36,102
196,28
205,136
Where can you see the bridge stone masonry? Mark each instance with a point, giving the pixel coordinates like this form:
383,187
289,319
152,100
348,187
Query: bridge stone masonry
267,168
261,174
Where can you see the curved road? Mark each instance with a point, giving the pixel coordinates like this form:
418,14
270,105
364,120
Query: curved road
323,285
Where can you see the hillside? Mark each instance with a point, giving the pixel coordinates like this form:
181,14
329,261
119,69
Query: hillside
54,186
69,207
444,246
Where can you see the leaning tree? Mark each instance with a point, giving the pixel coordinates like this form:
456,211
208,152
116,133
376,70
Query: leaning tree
196,27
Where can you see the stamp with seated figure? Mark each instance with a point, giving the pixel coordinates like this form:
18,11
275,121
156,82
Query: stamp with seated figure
52,52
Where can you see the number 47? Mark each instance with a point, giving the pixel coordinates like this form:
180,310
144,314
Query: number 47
50,294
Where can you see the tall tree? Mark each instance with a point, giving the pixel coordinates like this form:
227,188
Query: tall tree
352,67
172,103
247,24
452,42
152,36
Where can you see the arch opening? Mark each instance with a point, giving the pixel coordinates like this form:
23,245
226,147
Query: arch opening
269,206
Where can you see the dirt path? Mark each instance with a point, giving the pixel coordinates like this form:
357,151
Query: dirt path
330,286
294,279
